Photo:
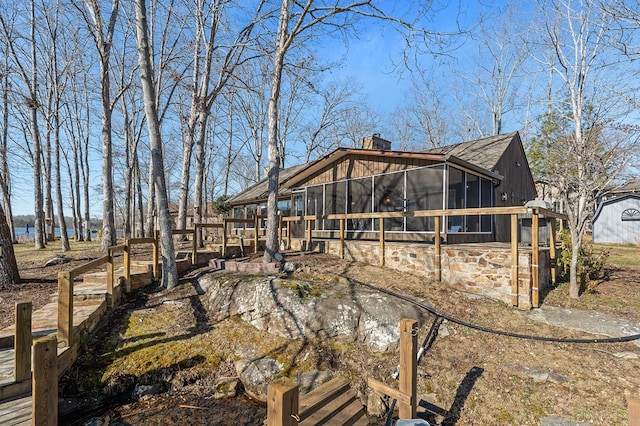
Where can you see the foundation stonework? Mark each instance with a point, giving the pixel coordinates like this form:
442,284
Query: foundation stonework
482,269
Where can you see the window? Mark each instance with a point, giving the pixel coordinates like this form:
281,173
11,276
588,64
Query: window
631,214
455,198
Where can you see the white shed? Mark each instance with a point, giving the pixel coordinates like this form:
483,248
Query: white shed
617,220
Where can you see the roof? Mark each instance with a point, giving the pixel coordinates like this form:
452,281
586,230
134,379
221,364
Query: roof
484,153
632,186
258,191
613,200
480,155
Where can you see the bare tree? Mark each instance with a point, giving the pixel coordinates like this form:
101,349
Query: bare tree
588,151
295,19
31,100
102,33
169,269
207,84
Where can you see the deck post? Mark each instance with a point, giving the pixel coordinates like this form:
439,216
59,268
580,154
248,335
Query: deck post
438,249
535,259
65,309
634,410
224,237
127,263
256,224
289,235
194,246
309,235
282,403
381,241
408,366
44,387
553,255
22,342
342,220
156,254
514,260
110,300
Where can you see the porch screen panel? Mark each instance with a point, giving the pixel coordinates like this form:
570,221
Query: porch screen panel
455,198
251,213
424,192
315,199
473,201
335,194
486,200
238,213
389,197
359,201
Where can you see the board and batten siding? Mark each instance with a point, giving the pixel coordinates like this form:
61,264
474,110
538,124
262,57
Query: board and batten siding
608,226
355,166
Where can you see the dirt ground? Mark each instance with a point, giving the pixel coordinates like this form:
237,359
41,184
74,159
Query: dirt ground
163,338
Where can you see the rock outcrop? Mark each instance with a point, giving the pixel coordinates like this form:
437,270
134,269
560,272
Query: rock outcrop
296,309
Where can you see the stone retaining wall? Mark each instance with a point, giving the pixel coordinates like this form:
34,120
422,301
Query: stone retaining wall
479,268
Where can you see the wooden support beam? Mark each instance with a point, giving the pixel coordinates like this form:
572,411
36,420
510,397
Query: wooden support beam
515,297
289,235
385,389
110,300
22,342
381,241
224,237
437,249
342,223
282,403
309,234
408,367
194,245
553,255
156,254
65,309
127,263
44,391
256,227
535,259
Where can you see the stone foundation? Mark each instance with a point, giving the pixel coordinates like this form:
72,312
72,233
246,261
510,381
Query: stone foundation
483,269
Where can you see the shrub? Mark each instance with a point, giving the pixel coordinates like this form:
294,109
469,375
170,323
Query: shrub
592,265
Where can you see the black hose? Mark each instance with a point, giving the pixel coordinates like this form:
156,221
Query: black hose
493,331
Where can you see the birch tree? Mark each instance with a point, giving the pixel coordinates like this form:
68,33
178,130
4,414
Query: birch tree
207,83
169,269
30,79
584,159
102,33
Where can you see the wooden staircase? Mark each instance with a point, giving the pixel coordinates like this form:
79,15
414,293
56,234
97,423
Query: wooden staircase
333,402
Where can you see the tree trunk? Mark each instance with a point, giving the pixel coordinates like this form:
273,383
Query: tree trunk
272,246
169,270
199,179
8,267
64,238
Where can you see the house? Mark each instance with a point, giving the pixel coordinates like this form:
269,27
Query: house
617,216
371,204
489,172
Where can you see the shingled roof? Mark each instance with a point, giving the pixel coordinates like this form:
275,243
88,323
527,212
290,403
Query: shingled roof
258,192
484,152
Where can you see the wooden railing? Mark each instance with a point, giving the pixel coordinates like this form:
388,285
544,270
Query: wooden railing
284,407
440,217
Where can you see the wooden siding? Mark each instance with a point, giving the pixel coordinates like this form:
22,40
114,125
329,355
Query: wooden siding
360,165
517,181
608,226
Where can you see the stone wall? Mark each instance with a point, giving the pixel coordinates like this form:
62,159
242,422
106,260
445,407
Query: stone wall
479,268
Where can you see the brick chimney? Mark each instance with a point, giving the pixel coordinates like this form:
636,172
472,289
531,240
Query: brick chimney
375,142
